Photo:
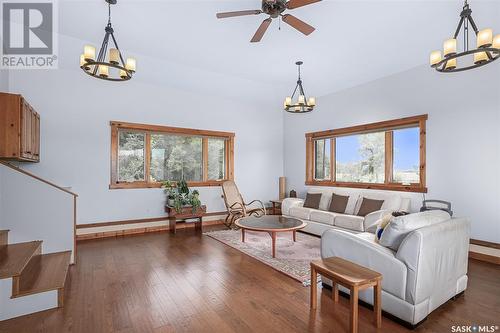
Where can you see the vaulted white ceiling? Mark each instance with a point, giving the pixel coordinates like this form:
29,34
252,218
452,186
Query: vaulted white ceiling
354,42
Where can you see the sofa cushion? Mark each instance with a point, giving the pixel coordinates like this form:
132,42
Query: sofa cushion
312,200
352,222
323,217
338,204
391,201
300,212
369,206
401,226
372,220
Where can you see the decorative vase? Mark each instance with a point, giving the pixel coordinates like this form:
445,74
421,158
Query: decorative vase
282,192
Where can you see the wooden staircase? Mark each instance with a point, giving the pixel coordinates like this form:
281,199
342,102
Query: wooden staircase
31,271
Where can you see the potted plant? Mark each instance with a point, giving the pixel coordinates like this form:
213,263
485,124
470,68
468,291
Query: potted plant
169,189
179,195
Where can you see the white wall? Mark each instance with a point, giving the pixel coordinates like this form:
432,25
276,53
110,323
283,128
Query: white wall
76,109
32,210
463,140
4,80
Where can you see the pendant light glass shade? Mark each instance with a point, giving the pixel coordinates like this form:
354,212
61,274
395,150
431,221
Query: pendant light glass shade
435,57
450,47
496,42
89,52
485,38
480,57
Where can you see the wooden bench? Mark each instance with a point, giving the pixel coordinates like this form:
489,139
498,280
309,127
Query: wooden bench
352,276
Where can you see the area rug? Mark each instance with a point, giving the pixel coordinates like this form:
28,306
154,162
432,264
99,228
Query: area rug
292,258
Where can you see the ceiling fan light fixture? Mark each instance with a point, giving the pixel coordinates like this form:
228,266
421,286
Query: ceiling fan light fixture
275,9
487,47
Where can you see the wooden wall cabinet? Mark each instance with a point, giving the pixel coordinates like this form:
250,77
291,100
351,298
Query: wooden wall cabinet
19,129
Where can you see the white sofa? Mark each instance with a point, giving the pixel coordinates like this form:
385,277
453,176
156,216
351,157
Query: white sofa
320,220
428,268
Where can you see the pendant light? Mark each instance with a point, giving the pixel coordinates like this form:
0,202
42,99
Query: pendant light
487,47
107,65
302,104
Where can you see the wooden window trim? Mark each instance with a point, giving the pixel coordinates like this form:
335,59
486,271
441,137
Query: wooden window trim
151,129
388,127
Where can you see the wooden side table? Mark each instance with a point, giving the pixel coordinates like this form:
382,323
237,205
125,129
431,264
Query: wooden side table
186,214
276,204
352,276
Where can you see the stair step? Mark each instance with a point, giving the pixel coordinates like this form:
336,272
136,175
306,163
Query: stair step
4,237
15,257
44,272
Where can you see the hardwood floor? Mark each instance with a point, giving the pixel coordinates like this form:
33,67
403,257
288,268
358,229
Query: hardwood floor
192,283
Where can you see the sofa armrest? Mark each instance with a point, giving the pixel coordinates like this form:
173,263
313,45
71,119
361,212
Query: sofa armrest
343,244
289,203
436,257
370,223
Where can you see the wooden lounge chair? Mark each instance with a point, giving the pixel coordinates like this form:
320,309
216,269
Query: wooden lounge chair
236,206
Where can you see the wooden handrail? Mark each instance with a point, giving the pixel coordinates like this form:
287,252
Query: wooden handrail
7,164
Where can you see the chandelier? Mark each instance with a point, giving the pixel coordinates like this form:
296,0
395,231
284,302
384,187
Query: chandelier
487,47
302,105
102,67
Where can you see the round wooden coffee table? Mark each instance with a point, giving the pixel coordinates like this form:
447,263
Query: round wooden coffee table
272,224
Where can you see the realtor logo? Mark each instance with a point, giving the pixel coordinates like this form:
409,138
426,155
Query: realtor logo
28,35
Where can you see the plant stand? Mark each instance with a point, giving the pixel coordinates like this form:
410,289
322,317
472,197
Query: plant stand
185,214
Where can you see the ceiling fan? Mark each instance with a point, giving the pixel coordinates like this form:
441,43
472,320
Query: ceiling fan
275,9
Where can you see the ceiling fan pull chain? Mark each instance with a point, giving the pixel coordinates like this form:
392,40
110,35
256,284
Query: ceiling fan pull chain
279,22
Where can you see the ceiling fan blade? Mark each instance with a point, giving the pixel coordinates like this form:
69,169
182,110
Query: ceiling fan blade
301,26
261,30
292,4
239,13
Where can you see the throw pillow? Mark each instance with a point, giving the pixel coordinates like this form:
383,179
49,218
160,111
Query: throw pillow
381,225
312,200
401,226
338,203
369,206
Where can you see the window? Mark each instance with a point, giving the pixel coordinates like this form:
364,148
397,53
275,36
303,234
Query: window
145,155
322,154
131,156
406,160
387,155
175,157
216,159
360,158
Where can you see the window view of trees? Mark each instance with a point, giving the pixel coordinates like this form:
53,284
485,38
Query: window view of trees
322,163
131,156
361,158
386,155
216,159
406,156
145,156
176,157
